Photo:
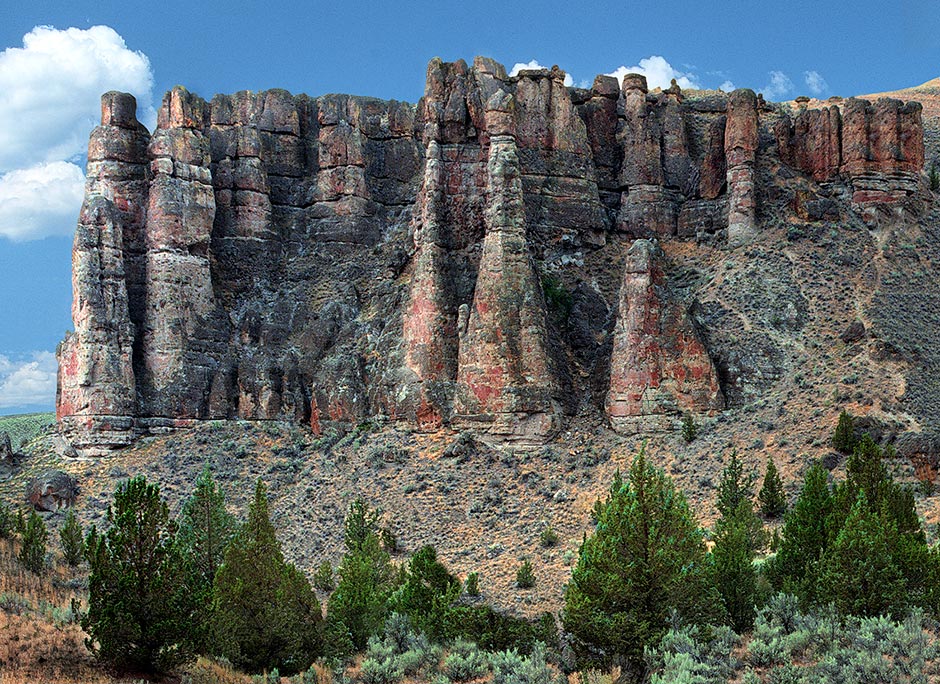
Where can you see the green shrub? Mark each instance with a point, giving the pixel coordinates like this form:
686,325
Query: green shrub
8,524
689,428
772,498
843,439
548,537
473,584
934,178
33,550
465,662
509,667
71,538
323,577
557,297
525,575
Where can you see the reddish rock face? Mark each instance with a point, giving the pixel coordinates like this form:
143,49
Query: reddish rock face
96,396
741,153
504,379
659,366
329,260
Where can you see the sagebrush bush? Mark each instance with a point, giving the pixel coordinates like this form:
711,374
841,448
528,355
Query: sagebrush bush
465,662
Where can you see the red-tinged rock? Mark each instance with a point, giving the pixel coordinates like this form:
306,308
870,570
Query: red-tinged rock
741,153
505,384
713,171
659,365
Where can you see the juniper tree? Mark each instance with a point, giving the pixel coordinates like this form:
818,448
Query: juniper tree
645,559
427,594
843,439
266,613
205,530
859,574
358,606
70,537
33,548
805,537
140,610
772,498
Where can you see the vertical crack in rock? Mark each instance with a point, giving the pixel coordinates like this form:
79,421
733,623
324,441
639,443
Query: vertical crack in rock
96,400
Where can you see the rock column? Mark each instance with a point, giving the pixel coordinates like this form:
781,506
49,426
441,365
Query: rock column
96,399
505,384
741,154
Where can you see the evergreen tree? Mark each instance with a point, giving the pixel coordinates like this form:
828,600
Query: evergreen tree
805,538
843,439
71,538
205,530
859,575
734,497
689,428
773,500
734,487
139,608
525,575
266,613
427,594
739,534
358,606
733,567
33,550
645,559
8,528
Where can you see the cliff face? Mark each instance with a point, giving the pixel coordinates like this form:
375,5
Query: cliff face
487,258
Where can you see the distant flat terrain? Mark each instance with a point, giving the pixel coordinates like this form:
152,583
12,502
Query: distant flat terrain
25,426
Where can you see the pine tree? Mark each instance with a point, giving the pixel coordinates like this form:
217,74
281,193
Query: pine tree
139,607
358,606
805,537
733,563
689,428
205,530
266,613
33,549
525,575
71,538
646,558
734,496
858,573
427,594
734,486
773,500
843,439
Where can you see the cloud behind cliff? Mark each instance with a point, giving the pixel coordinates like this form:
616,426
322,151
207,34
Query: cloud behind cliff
519,66
50,91
659,73
29,382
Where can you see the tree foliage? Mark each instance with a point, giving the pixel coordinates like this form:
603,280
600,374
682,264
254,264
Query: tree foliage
139,608
33,548
266,613
358,606
70,536
843,439
645,559
427,594
772,498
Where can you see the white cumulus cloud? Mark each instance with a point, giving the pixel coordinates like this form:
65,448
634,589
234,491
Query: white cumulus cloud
519,66
50,99
28,383
659,73
727,86
815,82
41,200
779,86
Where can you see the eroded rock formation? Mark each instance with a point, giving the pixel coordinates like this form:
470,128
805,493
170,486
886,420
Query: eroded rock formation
332,260
659,365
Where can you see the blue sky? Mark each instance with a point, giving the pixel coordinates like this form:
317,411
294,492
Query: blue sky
49,88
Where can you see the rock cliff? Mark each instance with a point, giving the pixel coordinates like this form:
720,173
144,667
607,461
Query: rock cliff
501,256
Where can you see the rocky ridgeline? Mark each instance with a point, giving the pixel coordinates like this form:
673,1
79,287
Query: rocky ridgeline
335,259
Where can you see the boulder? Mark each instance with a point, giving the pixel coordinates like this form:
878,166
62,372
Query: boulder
51,491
